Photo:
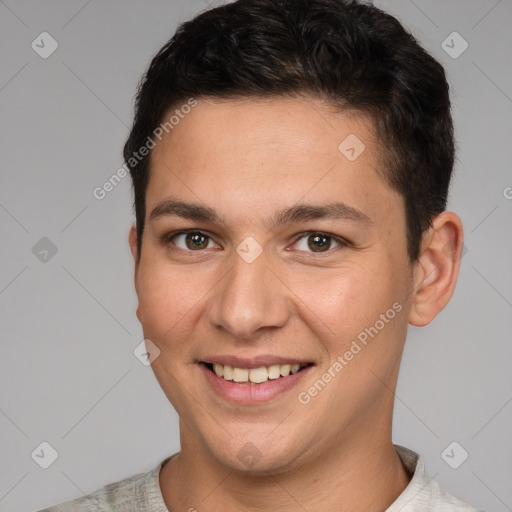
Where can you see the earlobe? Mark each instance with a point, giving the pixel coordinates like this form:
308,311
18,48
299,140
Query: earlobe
437,268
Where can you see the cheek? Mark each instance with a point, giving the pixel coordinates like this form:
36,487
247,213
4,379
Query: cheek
343,302
167,298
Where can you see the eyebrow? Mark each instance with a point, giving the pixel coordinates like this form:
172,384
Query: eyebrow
293,214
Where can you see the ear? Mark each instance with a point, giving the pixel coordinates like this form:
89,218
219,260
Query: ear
132,240
437,268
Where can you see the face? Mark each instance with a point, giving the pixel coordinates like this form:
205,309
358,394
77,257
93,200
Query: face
269,246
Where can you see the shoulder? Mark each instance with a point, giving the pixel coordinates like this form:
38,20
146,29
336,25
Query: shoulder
116,496
443,501
137,493
424,494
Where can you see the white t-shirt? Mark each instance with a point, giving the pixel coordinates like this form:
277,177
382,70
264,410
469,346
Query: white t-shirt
141,493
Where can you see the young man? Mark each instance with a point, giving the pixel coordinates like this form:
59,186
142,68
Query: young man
290,162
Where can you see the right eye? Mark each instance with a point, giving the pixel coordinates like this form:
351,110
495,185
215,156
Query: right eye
190,240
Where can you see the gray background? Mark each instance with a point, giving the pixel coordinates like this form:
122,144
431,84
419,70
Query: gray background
68,374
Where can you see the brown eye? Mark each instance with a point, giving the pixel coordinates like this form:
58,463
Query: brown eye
192,240
317,242
196,241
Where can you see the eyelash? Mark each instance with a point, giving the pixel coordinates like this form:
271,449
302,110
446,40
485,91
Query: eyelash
166,239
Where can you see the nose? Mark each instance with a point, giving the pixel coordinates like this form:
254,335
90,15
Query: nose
249,300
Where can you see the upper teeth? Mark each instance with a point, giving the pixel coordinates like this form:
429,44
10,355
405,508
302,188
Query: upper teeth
255,375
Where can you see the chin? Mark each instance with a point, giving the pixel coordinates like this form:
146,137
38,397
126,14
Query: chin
261,456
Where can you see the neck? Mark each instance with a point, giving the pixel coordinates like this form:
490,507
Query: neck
368,475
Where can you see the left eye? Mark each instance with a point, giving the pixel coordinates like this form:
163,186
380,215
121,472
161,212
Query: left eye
317,242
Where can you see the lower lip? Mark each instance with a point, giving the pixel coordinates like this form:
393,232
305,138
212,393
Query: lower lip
252,393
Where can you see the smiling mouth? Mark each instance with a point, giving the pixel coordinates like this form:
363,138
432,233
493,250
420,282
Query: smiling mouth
255,375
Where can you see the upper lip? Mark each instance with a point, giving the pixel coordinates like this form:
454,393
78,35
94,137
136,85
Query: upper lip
252,362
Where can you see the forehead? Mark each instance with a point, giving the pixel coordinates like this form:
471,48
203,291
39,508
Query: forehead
250,152
289,126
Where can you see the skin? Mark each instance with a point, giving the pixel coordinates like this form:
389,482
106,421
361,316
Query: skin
247,159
